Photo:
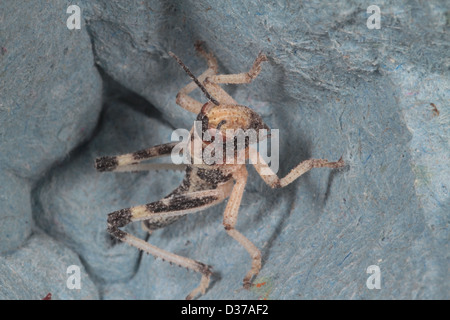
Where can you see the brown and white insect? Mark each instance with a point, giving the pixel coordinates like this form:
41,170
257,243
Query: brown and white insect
204,185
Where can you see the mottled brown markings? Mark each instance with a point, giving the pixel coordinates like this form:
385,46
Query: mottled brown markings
227,115
213,176
158,223
204,269
120,218
154,151
257,123
166,148
116,232
179,203
106,163
204,181
185,184
244,121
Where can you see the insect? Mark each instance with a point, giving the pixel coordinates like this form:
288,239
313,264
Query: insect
204,185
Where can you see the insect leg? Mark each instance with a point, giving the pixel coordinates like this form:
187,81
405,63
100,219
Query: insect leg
245,77
229,221
183,98
161,213
274,181
211,83
151,166
218,93
112,163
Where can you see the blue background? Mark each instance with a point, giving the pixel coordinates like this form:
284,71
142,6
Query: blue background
332,87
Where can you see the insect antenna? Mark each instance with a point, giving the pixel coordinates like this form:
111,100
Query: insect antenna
186,69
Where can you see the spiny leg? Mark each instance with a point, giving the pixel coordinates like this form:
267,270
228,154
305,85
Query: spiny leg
112,163
240,78
151,166
274,181
212,83
229,222
136,167
190,264
161,213
147,167
183,98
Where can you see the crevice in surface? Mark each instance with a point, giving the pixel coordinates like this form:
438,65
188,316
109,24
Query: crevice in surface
112,91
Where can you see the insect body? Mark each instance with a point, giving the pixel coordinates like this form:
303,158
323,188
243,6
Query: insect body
204,185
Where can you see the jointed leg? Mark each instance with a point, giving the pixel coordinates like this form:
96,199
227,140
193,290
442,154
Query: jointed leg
218,93
150,166
212,83
194,265
159,214
245,77
188,103
272,179
229,222
183,98
109,163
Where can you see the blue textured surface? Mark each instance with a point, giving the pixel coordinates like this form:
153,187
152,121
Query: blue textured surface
332,86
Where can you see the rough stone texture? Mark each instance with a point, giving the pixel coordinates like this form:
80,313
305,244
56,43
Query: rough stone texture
332,86
81,225
50,99
40,267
